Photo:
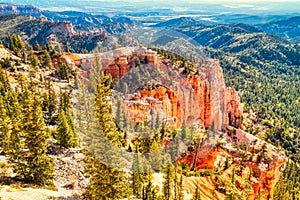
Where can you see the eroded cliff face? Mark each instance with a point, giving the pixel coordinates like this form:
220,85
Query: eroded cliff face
201,99
256,164
234,109
65,28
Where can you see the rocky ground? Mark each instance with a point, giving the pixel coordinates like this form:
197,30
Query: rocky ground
11,193
69,180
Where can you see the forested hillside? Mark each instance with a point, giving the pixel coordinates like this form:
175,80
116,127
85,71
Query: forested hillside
264,69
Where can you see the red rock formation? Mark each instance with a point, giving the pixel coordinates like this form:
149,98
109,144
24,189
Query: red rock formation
206,157
119,68
201,99
234,108
265,172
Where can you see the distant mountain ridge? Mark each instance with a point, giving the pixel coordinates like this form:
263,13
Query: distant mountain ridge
7,8
288,29
177,22
77,18
60,34
247,42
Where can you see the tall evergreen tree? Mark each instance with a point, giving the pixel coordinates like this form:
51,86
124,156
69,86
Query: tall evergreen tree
67,134
34,62
155,156
25,136
47,62
104,110
183,130
10,126
137,172
67,49
95,72
180,188
104,164
106,183
50,102
15,44
38,167
197,194
118,113
168,184
64,71
37,46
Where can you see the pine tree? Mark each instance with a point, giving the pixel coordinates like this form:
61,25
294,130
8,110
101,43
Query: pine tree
67,134
67,49
34,62
168,183
104,110
15,44
64,71
75,81
125,88
37,46
10,126
118,113
47,47
47,62
149,191
125,122
197,194
4,82
137,177
95,72
141,174
183,130
233,177
25,136
158,122
10,122
87,123
38,167
104,164
180,188
7,63
155,156
106,182
50,102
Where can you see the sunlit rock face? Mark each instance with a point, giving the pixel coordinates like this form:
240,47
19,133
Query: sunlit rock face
202,98
262,160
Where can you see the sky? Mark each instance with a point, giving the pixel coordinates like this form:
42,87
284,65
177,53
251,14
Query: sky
278,6
183,1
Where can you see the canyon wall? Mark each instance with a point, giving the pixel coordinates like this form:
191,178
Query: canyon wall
265,162
201,99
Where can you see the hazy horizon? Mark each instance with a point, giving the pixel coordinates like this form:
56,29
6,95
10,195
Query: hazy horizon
218,6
